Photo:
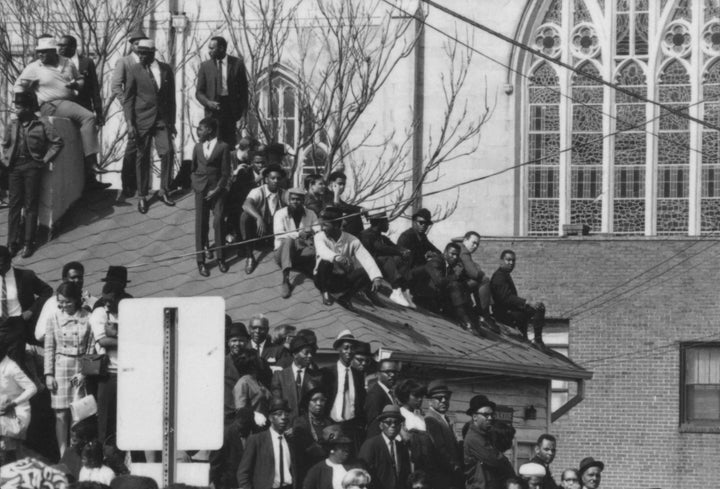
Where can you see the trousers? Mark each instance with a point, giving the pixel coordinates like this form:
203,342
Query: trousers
80,116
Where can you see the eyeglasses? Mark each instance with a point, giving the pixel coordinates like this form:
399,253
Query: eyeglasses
571,480
486,415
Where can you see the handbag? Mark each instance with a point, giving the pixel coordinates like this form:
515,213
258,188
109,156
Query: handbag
94,364
83,407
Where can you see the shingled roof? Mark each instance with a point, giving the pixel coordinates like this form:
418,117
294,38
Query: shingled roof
157,248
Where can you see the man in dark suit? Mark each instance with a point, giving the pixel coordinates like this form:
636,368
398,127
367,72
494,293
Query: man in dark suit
511,309
149,107
441,431
292,382
346,387
30,144
269,460
222,88
386,456
439,287
415,239
210,175
393,260
117,87
380,394
22,294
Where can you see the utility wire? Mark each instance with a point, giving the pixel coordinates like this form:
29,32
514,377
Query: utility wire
550,59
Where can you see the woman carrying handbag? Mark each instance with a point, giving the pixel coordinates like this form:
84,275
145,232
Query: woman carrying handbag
68,337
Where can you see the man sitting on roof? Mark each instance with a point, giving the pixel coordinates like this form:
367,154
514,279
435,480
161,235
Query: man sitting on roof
415,239
441,288
477,281
343,264
393,260
353,221
511,309
293,230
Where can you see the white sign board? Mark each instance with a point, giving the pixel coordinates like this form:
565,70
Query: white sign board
200,372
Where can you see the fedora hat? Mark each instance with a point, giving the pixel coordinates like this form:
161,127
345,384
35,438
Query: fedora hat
296,191
46,44
300,342
437,387
116,273
478,402
343,336
146,46
237,330
135,35
363,348
390,411
424,213
588,462
336,436
377,215
279,405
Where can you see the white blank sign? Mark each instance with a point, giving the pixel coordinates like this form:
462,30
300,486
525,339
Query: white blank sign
200,361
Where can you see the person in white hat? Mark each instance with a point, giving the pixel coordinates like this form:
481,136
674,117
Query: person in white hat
55,81
294,227
533,473
149,106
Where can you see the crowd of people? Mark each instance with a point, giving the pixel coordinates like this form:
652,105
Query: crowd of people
288,422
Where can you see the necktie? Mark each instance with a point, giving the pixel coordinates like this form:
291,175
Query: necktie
346,395
219,78
152,78
4,314
393,456
447,420
282,461
298,383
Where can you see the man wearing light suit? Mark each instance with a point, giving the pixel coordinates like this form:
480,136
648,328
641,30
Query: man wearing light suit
222,88
117,87
210,176
149,107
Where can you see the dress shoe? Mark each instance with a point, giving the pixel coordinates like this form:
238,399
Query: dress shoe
27,251
209,255
167,200
346,302
489,323
250,265
142,206
222,266
285,289
202,269
327,299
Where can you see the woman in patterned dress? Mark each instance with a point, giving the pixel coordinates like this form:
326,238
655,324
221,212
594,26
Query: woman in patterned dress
68,336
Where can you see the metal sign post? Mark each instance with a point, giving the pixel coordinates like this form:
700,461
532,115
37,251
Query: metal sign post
169,394
171,361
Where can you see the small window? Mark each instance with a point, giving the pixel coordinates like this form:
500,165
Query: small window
700,384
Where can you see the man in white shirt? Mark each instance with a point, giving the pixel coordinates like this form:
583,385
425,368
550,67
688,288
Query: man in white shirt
259,470
293,229
259,208
343,265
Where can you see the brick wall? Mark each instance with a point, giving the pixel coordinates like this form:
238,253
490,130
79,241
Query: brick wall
630,416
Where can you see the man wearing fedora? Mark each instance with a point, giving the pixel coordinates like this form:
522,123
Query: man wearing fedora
149,107
30,145
293,227
343,265
346,387
211,170
415,239
292,382
270,458
261,204
393,260
386,455
441,431
55,80
117,88
485,466
591,472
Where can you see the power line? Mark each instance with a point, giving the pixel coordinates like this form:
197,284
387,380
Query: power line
550,59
